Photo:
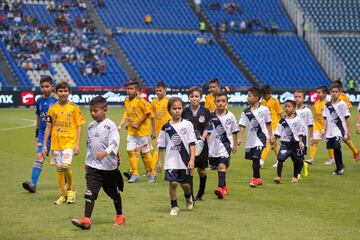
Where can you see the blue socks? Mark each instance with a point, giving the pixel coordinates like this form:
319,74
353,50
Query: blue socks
36,170
221,179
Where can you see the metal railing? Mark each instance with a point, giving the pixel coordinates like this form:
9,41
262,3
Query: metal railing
306,28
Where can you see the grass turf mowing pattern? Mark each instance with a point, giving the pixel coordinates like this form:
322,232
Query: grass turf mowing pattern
318,207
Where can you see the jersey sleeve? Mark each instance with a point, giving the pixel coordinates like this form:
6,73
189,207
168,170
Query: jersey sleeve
208,124
191,137
37,111
114,140
278,131
144,107
243,120
79,117
278,107
310,121
346,111
267,116
206,104
162,140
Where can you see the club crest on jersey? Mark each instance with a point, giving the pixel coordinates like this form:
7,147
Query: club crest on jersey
334,116
107,127
254,123
283,151
294,125
302,115
220,129
176,139
68,117
201,119
183,131
287,131
228,122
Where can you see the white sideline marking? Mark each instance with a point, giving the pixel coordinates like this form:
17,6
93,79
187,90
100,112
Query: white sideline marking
22,119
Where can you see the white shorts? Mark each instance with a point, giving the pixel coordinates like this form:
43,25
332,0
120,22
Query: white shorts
138,143
59,157
317,136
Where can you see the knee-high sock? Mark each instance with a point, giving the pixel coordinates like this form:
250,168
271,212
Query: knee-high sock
60,176
148,160
132,155
36,170
202,185
155,158
265,152
221,179
313,149
331,153
338,158
256,168
118,204
276,149
296,168
351,145
69,179
279,168
89,206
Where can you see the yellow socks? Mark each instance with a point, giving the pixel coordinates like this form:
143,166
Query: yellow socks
265,152
60,176
351,145
132,155
69,179
313,149
149,162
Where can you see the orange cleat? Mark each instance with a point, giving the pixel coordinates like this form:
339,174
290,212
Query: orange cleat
356,156
119,220
220,192
84,223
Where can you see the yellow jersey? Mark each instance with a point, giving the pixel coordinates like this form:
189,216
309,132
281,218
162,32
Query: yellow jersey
135,109
345,98
210,102
148,120
275,110
65,120
318,115
162,116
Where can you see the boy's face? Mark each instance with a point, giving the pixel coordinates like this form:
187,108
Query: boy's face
132,91
221,102
98,113
252,98
176,110
267,96
214,88
195,98
289,108
63,94
160,92
299,98
45,89
335,93
321,95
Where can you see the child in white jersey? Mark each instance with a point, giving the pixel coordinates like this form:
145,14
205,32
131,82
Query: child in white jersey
291,132
222,140
336,126
256,119
177,141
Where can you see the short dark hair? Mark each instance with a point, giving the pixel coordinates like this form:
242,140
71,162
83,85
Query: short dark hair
300,91
132,82
62,85
46,78
194,89
335,85
292,102
172,101
255,91
161,84
215,80
338,82
221,94
323,88
266,89
98,101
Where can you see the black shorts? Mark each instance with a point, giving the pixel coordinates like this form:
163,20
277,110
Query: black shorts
220,160
291,150
253,153
178,175
201,161
333,143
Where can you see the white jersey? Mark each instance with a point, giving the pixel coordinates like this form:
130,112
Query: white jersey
307,120
335,119
256,128
184,133
229,127
102,136
289,129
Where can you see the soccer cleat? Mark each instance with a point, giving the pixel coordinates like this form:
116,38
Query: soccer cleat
199,198
83,223
342,170
174,211
306,169
29,187
152,178
277,180
310,161
189,203
255,182
262,163
336,173
356,156
330,162
71,197
127,174
225,190
220,192
61,200
119,220
295,180
134,178
275,165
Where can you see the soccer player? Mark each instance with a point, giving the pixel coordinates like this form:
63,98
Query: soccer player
291,132
307,120
276,112
159,108
64,122
319,105
256,119
336,126
101,163
42,105
137,111
222,140
358,121
200,118
177,141
348,141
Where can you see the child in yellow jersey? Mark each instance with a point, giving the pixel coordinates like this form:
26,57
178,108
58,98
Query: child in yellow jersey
64,121
276,112
214,88
318,125
358,121
137,111
345,98
159,107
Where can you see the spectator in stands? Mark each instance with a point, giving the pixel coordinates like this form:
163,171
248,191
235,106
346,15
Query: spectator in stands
271,26
202,26
352,85
82,5
224,26
148,19
233,26
242,27
51,7
214,5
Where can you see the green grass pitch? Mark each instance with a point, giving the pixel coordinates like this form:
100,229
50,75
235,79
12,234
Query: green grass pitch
318,207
